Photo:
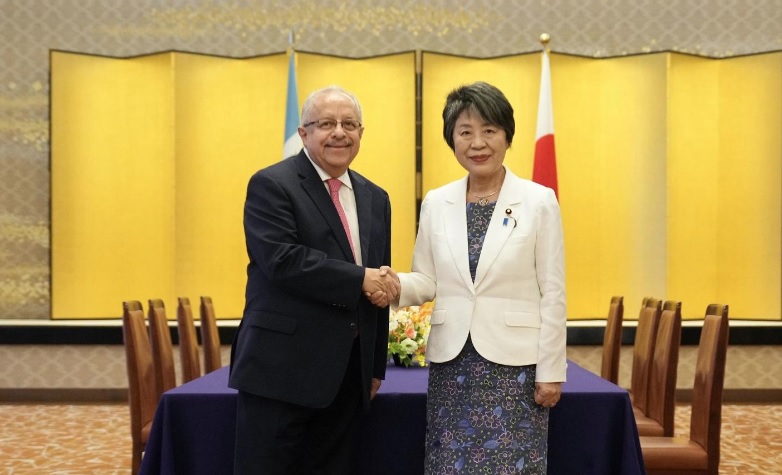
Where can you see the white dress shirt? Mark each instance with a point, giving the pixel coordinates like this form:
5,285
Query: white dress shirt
348,200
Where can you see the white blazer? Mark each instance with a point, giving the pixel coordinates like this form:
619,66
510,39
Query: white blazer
515,309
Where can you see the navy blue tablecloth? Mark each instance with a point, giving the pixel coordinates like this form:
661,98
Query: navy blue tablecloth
591,430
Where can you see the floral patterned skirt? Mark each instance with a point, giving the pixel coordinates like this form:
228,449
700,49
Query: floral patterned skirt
482,418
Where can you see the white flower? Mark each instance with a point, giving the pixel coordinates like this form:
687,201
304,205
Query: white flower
409,346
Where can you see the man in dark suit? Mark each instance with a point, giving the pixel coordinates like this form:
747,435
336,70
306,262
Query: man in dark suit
311,349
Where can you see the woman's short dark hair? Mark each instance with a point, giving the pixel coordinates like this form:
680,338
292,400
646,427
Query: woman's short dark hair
483,99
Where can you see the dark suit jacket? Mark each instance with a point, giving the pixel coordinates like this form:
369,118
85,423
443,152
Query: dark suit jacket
303,300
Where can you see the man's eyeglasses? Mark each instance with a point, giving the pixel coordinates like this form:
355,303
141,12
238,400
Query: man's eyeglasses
327,125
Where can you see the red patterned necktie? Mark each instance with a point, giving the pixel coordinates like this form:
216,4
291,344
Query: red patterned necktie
334,186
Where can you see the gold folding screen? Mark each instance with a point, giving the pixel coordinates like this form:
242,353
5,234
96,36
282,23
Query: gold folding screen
669,169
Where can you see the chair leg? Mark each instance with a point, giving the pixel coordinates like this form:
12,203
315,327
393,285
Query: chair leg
136,463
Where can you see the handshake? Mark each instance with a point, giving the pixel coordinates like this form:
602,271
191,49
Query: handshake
381,286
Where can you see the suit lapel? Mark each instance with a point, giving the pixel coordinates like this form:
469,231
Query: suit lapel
455,223
364,211
497,234
314,187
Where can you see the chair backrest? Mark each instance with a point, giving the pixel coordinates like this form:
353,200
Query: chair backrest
706,420
643,352
644,301
210,338
612,340
664,370
142,386
716,309
188,341
162,349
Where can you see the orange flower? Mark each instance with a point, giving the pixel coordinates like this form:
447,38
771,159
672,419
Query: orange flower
409,330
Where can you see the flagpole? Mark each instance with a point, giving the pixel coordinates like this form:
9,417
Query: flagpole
291,142
419,92
544,169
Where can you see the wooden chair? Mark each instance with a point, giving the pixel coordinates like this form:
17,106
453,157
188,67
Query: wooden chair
658,420
643,352
210,338
188,342
162,349
612,340
142,386
700,452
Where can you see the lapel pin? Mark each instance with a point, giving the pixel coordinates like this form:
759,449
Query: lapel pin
507,217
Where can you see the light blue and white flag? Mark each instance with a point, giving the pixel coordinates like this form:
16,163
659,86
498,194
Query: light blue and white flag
293,142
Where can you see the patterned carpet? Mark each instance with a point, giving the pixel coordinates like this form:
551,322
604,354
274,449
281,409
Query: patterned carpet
95,439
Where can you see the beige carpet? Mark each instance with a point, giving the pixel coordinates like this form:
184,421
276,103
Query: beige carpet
62,439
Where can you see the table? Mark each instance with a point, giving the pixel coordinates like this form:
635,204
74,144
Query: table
591,430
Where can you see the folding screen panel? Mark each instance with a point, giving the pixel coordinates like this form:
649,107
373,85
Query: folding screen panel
750,162
725,184
113,177
227,125
516,76
385,87
610,133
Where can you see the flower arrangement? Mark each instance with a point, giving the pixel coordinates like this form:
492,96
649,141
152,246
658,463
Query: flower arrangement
408,331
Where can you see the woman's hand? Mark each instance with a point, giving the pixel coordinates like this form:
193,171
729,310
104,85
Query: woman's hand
548,394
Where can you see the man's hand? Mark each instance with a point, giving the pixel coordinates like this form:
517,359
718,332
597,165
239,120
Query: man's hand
375,387
381,286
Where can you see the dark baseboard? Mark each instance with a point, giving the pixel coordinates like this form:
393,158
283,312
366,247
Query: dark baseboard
738,335
75,334
738,396
64,395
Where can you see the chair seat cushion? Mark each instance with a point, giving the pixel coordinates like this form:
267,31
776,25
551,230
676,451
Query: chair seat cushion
673,452
638,413
648,426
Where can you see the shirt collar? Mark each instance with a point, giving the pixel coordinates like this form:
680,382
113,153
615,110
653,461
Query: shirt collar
344,178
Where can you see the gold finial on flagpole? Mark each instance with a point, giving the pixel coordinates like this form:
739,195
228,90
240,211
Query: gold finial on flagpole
545,38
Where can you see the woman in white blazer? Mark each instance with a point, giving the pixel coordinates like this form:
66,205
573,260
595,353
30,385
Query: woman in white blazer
490,253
